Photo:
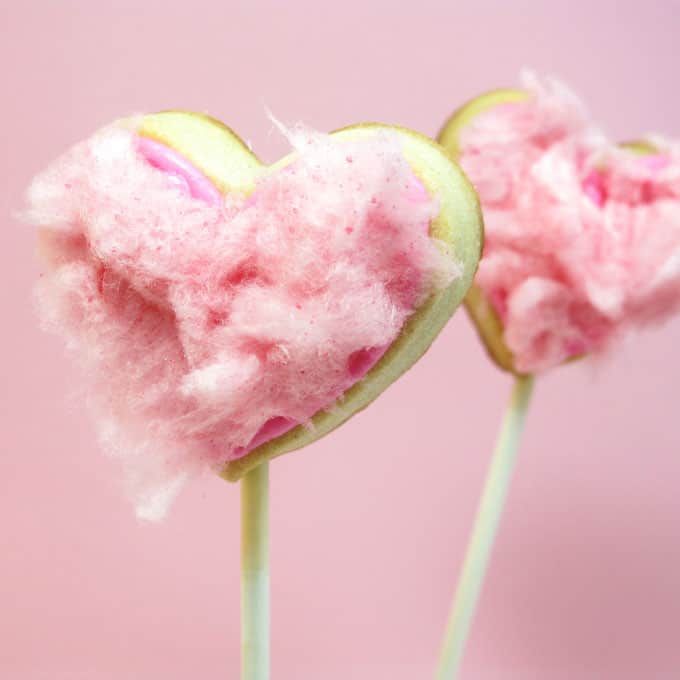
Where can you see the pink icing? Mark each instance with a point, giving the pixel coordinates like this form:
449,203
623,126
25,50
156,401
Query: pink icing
582,236
656,161
186,175
210,324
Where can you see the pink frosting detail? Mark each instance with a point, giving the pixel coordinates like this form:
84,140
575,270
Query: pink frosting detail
593,186
657,161
180,170
582,236
209,326
273,428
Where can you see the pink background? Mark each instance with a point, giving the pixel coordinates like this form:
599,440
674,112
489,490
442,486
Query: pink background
584,582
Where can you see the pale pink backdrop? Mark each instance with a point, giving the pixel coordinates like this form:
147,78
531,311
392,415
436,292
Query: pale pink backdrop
369,524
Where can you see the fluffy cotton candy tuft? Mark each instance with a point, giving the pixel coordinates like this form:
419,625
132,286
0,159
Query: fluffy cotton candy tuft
207,328
582,236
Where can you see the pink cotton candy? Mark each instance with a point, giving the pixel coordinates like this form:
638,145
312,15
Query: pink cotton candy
582,236
207,327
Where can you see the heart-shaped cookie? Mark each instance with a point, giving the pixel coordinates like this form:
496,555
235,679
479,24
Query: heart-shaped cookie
166,233
578,229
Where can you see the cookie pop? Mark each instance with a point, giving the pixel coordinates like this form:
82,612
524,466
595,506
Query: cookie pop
226,312
582,247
